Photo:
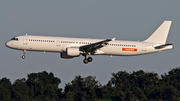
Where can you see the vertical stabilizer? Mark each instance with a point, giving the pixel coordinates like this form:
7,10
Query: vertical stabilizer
161,33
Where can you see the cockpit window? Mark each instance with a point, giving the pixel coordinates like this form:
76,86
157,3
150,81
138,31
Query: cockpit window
16,39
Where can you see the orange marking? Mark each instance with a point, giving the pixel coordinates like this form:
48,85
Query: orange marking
129,49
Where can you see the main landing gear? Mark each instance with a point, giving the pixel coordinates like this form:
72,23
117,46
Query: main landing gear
86,60
24,53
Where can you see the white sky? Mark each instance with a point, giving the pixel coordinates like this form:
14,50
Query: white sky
124,19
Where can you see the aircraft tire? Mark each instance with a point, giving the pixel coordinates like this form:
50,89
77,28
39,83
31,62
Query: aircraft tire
85,61
23,57
90,59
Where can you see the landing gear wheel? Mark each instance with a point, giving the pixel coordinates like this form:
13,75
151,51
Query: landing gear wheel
85,61
24,53
23,57
89,59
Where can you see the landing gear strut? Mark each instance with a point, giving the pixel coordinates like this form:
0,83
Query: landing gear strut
24,53
86,60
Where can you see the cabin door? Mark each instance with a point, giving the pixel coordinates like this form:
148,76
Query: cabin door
25,40
58,42
143,46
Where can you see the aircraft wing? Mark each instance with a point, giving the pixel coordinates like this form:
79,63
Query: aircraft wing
94,46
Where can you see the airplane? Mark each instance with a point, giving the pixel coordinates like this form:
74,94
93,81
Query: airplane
69,47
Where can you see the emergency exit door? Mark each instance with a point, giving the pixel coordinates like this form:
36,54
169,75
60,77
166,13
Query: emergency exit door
58,42
143,46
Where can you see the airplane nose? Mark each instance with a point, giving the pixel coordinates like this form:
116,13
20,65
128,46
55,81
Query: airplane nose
7,44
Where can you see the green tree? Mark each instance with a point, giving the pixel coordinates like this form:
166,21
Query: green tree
43,84
82,89
69,96
91,86
134,85
174,76
5,89
21,92
108,92
77,86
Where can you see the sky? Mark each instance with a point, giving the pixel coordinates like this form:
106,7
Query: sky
124,19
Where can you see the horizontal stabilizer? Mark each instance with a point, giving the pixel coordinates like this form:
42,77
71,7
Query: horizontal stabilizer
162,46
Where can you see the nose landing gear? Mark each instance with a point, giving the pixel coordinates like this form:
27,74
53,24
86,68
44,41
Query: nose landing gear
24,53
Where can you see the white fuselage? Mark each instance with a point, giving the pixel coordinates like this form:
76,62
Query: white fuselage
59,44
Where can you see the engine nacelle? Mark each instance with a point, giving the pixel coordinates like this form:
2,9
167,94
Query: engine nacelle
65,56
72,51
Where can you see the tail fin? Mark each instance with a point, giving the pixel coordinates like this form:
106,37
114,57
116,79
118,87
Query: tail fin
160,35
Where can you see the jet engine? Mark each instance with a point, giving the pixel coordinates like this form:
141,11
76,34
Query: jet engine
72,51
65,56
